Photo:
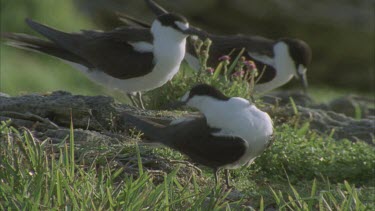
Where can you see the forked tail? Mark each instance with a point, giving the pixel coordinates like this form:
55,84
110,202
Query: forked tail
150,129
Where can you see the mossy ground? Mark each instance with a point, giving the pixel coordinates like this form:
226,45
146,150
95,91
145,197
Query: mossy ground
302,170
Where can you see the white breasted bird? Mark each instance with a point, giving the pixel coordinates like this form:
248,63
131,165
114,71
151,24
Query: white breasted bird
231,133
128,58
282,59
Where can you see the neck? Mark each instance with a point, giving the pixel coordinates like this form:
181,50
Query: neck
285,69
219,114
168,43
168,51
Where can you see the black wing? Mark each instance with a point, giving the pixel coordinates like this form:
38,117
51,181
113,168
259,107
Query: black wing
266,73
131,21
194,138
36,44
109,52
156,8
223,45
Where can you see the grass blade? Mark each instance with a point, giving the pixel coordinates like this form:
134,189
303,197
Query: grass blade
71,148
312,195
139,160
234,63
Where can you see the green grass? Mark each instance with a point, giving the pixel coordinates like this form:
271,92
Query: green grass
302,171
34,178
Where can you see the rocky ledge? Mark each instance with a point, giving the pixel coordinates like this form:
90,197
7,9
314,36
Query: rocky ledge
97,118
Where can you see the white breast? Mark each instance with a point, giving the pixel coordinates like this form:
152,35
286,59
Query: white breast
249,123
168,49
285,69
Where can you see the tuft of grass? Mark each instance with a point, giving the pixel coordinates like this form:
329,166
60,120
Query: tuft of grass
305,169
345,197
33,177
308,155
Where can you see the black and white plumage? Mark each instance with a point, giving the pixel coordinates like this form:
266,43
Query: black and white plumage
129,59
283,59
231,133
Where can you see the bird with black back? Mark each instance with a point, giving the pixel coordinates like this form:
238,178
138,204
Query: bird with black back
278,61
130,59
231,132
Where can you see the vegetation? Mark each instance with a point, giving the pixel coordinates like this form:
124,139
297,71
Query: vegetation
36,174
303,170
34,178
230,76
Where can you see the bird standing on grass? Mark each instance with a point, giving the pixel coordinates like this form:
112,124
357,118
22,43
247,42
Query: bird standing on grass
281,59
231,133
129,59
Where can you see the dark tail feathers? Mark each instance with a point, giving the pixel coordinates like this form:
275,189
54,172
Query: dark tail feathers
150,129
32,43
155,8
58,37
129,20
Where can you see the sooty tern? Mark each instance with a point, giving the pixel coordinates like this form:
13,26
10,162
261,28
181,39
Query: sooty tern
282,58
231,133
128,58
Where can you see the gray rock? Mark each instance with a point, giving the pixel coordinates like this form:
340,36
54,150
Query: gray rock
101,117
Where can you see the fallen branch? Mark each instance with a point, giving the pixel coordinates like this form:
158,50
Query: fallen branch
99,117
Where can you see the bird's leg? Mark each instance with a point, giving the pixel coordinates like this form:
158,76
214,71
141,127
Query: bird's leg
227,178
216,170
139,95
131,97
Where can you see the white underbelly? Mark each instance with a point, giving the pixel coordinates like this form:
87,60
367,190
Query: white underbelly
156,78
256,129
275,83
147,82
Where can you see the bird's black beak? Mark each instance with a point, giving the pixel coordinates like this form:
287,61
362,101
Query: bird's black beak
190,31
301,75
305,84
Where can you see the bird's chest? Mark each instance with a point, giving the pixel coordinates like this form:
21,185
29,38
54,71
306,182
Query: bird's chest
168,59
252,129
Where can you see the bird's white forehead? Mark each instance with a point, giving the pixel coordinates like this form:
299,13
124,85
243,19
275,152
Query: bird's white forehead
181,25
185,97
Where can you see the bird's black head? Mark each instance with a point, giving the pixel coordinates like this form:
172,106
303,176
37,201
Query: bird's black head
205,90
301,55
299,51
175,21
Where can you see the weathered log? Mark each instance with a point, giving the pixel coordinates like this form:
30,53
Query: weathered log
97,117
